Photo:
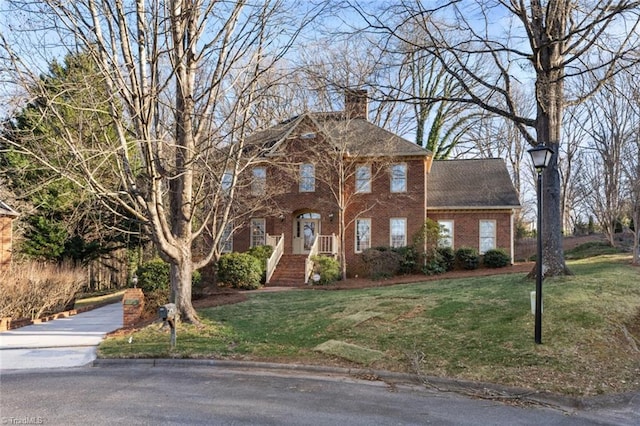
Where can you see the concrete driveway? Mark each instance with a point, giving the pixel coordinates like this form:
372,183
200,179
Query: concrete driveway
63,342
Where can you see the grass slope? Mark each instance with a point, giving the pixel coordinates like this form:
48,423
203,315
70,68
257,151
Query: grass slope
474,328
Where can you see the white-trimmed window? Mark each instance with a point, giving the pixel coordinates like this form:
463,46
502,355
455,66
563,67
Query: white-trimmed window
398,231
258,232
363,234
259,182
227,180
487,235
307,177
399,177
363,179
446,233
226,240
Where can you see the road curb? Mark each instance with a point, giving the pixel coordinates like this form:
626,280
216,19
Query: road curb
482,390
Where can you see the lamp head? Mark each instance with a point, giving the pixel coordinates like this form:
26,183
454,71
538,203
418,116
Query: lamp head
541,156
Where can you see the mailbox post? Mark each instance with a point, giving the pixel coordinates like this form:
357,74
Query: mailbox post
168,314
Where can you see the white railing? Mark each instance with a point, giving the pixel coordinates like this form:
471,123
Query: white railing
308,263
328,244
277,242
324,244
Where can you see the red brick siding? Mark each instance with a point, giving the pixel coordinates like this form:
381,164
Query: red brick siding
466,226
380,205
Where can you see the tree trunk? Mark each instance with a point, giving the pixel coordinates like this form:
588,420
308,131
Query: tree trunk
181,284
550,105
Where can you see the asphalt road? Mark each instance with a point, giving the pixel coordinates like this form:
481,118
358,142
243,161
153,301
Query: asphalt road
138,395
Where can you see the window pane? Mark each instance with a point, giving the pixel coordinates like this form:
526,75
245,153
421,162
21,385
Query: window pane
363,179
487,235
446,233
259,182
227,180
226,241
307,178
258,234
399,178
363,234
398,227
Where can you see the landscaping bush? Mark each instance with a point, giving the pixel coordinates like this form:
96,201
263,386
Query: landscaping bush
239,270
447,258
153,275
381,262
408,259
34,289
154,280
328,268
435,264
496,258
467,257
262,253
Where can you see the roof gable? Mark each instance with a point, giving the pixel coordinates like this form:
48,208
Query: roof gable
358,137
478,183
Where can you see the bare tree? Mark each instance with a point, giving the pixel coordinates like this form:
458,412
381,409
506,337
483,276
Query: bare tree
185,76
349,166
611,123
552,40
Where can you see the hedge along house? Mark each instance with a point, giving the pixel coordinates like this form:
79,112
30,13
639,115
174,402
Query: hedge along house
341,185
7,215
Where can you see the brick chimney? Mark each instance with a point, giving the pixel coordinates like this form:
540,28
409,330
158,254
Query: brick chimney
356,103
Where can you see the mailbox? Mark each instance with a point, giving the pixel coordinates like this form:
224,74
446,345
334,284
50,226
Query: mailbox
167,312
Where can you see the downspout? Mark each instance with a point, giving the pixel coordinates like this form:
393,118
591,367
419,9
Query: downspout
513,252
428,162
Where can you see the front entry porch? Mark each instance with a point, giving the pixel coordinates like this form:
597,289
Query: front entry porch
296,268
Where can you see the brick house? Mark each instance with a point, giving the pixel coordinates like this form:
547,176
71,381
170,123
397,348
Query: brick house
338,180
7,215
474,202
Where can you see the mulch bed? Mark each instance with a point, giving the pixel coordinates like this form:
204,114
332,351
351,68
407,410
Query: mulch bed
225,296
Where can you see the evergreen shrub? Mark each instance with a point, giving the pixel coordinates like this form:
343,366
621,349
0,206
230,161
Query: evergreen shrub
239,270
496,258
467,257
328,268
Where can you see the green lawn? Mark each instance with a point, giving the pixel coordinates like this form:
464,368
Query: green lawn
475,328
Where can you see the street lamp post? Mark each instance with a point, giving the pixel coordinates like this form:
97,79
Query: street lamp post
540,155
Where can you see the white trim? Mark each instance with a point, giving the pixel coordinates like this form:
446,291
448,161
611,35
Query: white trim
311,178
367,188
494,237
406,178
452,233
263,222
258,183
404,235
355,243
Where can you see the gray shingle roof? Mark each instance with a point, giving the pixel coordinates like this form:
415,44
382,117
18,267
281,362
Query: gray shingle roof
467,184
360,137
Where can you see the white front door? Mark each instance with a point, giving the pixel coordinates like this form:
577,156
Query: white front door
305,235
